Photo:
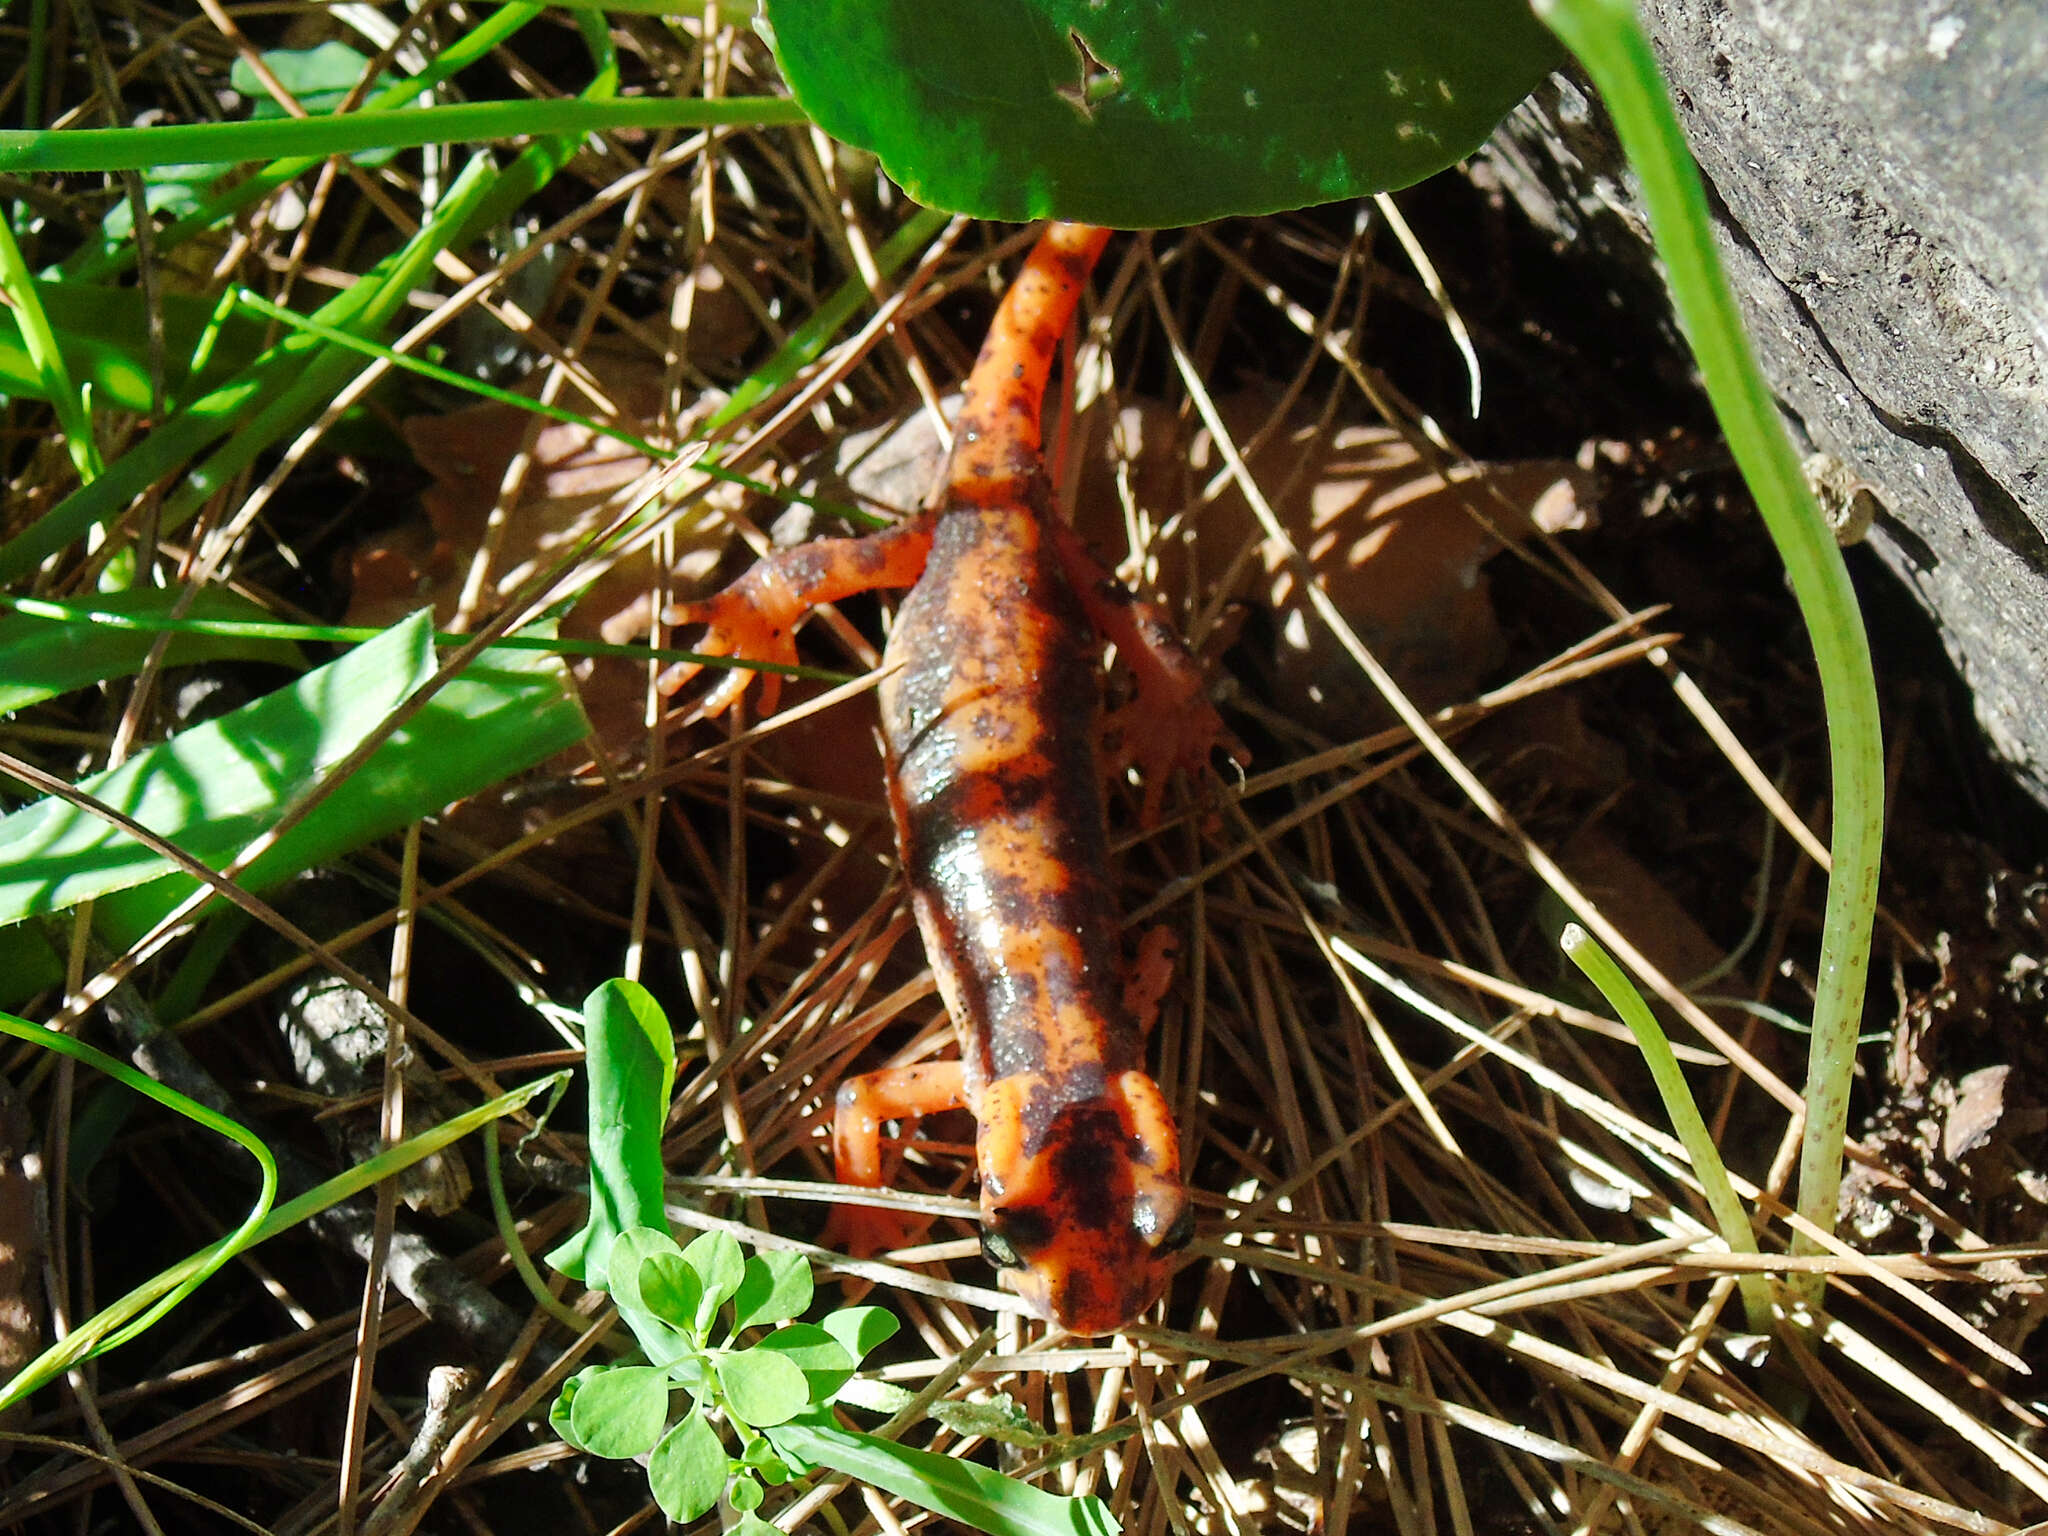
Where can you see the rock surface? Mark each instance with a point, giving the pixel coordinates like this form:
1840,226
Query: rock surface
1876,171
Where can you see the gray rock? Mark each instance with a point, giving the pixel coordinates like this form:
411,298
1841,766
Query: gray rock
1876,171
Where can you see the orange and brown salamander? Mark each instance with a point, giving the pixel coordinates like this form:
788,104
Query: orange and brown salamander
991,705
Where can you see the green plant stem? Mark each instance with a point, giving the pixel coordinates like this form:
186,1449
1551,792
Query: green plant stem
90,1335
1608,42
515,1250
469,122
357,634
87,1340
1679,1107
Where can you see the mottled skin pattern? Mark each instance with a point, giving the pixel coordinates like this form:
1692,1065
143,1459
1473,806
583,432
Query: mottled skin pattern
989,707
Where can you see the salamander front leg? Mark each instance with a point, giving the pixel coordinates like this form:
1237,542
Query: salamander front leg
756,618
861,1107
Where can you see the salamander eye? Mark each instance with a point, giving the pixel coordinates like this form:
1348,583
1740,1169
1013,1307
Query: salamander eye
1180,1234
998,1250
1010,1236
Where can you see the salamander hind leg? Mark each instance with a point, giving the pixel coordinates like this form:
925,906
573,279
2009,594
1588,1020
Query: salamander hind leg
756,618
860,1108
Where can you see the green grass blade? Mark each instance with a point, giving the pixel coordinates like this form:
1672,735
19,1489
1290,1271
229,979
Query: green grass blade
288,383
118,255
101,339
957,1490
213,789
1604,35
42,656
94,1331
1679,1107
139,618
815,334
171,1099
471,122
508,712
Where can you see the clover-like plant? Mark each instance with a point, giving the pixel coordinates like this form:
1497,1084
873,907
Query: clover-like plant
699,1314
730,1395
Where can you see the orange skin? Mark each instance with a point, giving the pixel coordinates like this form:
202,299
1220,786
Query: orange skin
990,712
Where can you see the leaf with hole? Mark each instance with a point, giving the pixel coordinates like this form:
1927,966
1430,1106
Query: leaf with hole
687,1471
619,1412
1167,113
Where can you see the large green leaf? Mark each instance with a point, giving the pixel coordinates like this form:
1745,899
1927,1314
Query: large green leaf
210,790
1163,113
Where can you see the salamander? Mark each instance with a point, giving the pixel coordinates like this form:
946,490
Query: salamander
990,706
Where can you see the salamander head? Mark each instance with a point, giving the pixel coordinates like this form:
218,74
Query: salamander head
1086,1224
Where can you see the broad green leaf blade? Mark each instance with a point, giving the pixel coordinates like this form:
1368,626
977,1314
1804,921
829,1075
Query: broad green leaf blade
620,1411
686,1473
958,1490
716,1258
42,657
860,1329
774,1287
1166,113
211,789
509,711
823,1359
630,1053
764,1387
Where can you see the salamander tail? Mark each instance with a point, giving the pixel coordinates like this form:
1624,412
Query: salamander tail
997,439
